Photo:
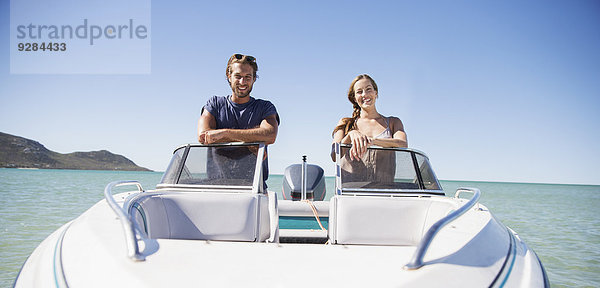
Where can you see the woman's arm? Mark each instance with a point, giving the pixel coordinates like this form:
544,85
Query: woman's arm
359,142
398,135
338,137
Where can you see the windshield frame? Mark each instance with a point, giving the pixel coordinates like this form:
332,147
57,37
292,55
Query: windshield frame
257,182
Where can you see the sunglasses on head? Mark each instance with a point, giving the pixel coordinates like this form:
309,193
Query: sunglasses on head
246,57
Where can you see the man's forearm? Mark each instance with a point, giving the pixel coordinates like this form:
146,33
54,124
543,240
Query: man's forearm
240,135
249,135
266,132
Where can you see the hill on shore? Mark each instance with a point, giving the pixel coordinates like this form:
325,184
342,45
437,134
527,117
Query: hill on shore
19,152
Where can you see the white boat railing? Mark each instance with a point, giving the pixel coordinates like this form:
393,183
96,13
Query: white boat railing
133,250
417,260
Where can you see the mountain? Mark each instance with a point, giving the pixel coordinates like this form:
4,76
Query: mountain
19,152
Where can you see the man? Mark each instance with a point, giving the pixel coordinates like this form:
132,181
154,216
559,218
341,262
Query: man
239,117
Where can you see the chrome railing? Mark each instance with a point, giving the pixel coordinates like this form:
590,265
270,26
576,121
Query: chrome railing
417,260
133,250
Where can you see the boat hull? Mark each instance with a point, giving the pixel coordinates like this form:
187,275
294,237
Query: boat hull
90,251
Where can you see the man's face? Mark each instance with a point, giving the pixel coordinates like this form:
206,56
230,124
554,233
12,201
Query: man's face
241,79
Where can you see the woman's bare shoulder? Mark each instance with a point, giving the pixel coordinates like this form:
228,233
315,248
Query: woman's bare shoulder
344,121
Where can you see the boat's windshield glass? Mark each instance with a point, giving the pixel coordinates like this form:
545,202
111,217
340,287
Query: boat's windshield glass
229,165
172,171
429,180
384,168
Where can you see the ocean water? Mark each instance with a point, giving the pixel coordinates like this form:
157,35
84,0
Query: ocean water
558,221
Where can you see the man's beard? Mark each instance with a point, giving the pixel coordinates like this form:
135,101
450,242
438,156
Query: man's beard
244,94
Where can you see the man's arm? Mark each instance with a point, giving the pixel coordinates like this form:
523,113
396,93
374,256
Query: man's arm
266,132
205,123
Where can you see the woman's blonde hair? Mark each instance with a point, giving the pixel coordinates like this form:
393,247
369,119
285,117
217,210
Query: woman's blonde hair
349,123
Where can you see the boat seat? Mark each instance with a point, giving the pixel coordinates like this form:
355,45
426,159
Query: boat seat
374,220
205,216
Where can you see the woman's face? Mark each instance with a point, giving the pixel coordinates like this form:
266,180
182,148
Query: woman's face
364,93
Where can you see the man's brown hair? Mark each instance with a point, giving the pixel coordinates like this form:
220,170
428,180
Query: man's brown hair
243,59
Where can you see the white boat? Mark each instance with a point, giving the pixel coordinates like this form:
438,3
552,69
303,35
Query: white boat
210,223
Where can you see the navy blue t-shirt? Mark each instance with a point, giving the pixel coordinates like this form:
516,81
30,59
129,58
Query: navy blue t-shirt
230,115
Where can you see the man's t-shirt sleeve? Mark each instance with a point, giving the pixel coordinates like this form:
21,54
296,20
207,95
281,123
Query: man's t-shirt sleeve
270,110
211,106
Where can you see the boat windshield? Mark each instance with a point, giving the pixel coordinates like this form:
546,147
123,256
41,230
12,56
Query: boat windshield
215,165
384,170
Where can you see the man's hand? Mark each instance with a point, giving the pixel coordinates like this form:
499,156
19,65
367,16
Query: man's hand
212,136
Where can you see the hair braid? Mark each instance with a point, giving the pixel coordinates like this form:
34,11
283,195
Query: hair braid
351,125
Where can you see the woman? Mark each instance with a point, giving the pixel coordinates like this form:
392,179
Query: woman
367,127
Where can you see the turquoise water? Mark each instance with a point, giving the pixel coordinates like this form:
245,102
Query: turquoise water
558,221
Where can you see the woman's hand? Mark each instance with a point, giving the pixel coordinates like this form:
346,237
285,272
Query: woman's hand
359,143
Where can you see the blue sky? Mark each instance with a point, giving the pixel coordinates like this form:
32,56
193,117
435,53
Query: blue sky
490,90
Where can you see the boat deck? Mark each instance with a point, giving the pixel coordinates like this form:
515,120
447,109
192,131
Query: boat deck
295,265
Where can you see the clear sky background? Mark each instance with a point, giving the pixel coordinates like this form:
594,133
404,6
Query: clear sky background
490,90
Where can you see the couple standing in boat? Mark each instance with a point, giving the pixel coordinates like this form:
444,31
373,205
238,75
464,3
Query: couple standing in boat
242,118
